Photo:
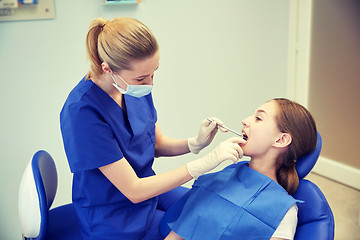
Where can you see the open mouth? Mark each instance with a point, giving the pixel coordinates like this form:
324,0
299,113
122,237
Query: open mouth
245,136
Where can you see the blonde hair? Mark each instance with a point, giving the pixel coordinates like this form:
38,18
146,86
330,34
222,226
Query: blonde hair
296,120
118,43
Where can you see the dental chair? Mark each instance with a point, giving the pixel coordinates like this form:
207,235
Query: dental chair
315,218
36,194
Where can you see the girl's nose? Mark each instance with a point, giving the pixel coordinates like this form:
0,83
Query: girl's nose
245,122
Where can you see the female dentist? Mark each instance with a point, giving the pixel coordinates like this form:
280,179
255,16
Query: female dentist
111,136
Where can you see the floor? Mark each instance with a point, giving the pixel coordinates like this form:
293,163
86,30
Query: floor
345,204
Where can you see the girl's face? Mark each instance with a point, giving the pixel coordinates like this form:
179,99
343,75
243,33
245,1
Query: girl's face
261,130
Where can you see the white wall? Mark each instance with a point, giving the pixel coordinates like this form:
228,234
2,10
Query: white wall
218,58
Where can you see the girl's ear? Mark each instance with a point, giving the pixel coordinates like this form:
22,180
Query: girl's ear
105,67
283,141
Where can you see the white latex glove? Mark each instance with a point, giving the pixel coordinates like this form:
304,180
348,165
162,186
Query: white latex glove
229,149
205,136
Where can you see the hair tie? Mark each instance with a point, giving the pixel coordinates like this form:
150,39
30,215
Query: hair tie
106,22
102,26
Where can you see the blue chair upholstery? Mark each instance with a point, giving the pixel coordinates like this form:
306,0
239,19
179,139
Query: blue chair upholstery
315,218
36,194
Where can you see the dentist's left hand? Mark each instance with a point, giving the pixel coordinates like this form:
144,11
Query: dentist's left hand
227,150
205,136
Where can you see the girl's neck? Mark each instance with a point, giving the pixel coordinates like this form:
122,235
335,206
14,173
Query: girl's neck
264,166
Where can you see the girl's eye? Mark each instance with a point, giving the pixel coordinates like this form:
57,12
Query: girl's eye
258,119
140,79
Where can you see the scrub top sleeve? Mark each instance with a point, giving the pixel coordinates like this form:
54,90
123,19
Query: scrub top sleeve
88,140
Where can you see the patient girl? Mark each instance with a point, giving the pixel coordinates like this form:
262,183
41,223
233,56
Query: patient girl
250,200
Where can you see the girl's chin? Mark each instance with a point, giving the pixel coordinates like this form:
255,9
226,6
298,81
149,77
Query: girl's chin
244,148
243,144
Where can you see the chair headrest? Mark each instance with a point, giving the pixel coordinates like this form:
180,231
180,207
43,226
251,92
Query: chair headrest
306,163
36,194
45,174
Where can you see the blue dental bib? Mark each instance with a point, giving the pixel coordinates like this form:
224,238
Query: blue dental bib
236,203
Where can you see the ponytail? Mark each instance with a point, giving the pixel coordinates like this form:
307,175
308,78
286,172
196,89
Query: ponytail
288,178
96,27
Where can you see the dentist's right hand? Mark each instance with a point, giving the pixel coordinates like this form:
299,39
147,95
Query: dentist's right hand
229,149
205,136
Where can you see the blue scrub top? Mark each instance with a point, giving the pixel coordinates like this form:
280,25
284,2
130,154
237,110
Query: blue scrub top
97,132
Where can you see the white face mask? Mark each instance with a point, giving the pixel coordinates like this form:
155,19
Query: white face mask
133,90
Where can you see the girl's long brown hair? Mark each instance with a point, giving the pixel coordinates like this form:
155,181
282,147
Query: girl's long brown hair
296,120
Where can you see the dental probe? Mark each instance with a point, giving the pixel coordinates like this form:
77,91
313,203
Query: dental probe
223,126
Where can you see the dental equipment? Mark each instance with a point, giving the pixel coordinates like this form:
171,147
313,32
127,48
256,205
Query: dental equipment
230,130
